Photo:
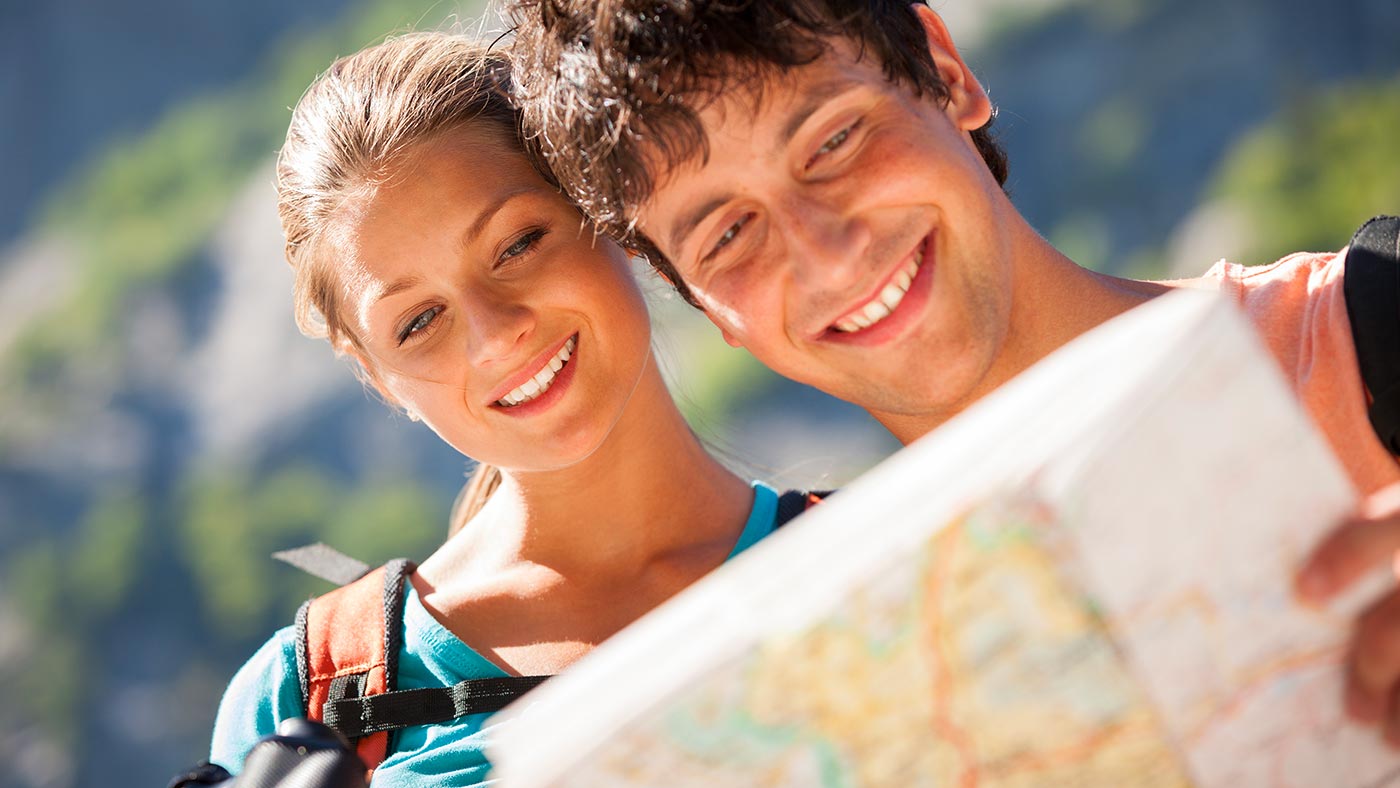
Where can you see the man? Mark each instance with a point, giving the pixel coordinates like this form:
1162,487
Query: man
819,178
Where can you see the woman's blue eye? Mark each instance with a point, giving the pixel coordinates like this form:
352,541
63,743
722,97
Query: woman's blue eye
422,321
522,245
729,235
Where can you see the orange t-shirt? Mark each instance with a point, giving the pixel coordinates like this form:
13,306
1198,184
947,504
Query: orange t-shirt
1298,306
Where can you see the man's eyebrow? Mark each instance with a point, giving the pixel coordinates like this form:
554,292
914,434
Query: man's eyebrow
819,95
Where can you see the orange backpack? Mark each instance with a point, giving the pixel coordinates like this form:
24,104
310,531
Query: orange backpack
348,642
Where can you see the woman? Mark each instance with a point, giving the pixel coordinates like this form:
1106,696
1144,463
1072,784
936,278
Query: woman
428,248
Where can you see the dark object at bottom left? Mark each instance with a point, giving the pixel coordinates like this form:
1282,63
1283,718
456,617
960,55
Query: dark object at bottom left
302,754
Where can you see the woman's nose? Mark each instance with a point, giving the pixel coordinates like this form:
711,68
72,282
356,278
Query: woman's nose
496,330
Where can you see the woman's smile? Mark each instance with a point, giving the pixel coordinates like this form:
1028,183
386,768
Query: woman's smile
544,382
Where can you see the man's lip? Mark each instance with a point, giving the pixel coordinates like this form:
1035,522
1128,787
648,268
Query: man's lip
855,306
528,371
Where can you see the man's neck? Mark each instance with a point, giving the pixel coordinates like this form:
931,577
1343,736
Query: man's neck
1054,300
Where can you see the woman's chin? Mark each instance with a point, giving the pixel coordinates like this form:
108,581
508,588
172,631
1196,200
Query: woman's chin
561,453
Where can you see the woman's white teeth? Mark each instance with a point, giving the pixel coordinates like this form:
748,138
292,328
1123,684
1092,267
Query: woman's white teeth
884,303
542,380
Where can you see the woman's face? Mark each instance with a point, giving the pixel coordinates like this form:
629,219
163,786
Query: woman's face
486,309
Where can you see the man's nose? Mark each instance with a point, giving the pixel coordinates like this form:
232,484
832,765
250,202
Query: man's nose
826,243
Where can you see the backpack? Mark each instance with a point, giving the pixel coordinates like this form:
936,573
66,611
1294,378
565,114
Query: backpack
1371,285
348,673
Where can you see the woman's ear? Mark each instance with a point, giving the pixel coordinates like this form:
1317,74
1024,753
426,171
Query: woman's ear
365,369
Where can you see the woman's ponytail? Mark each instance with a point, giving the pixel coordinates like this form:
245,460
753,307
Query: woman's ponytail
484,481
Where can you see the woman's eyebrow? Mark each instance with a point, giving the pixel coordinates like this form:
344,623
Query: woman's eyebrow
398,286
478,225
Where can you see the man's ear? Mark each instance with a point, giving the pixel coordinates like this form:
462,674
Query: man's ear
968,105
729,338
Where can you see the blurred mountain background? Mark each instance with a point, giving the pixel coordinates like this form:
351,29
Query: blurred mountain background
163,427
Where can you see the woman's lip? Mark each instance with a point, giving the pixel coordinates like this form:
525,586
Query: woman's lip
557,388
528,371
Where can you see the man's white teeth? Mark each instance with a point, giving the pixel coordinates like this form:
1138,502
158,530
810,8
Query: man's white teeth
887,300
542,380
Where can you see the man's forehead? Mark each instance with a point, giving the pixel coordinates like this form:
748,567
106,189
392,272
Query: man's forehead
750,98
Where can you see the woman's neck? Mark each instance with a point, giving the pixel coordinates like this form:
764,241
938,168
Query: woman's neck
649,492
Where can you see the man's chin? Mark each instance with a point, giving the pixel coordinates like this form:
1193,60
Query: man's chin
894,397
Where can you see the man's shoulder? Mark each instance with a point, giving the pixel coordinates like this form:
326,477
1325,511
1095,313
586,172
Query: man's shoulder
1302,271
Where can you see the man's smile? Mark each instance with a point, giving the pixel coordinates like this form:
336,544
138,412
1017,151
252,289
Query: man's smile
890,305
887,300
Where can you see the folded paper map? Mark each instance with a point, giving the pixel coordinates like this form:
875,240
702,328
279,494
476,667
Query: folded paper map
1084,580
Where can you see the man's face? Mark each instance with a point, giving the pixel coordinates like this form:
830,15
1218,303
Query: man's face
847,232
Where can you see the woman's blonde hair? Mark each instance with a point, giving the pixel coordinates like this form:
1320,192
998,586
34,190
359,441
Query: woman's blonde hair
350,129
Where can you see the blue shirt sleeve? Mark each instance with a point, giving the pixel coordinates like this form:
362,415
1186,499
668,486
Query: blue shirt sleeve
264,692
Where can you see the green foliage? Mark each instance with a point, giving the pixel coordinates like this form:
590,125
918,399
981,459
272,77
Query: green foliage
68,581
723,377
70,588
1083,236
1308,177
32,582
230,527
64,586
54,681
138,217
231,524
143,210
1114,134
51,669
107,554
385,521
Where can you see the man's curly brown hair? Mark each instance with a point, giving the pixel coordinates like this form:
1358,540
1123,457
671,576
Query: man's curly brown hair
610,88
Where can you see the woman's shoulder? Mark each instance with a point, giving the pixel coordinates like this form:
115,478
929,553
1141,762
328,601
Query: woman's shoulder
265,691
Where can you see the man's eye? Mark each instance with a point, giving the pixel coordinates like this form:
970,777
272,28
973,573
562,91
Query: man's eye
729,235
837,140
419,323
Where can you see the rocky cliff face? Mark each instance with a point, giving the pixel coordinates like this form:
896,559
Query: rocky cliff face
79,74
1118,114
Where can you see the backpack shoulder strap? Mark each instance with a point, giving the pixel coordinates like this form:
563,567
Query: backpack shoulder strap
795,502
348,644
1372,288
337,661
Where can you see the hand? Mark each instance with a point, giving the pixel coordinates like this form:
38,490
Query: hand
1346,555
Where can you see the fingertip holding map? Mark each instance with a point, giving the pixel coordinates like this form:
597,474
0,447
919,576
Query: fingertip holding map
1312,587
